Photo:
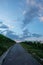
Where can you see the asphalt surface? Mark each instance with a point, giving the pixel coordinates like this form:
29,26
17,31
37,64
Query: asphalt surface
18,56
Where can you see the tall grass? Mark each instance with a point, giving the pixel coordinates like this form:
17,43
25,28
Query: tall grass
5,43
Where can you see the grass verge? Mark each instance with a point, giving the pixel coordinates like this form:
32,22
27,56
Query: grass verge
35,52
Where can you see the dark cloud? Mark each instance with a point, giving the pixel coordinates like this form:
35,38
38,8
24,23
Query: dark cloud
36,35
33,11
30,15
1,22
26,34
11,35
3,26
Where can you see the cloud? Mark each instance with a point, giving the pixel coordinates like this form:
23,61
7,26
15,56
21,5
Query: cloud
11,35
27,1
32,13
4,32
41,18
26,34
10,26
35,9
0,22
3,26
24,12
30,2
36,35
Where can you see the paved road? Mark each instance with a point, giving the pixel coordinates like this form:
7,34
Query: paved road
18,56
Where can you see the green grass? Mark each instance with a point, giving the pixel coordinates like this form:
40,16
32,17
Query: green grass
5,43
35,51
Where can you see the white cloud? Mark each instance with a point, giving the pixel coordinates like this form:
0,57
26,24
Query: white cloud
33,2
39,6
27,1
4,33
34,39
24,12
30,2
21,35
10,26
41,18
0,25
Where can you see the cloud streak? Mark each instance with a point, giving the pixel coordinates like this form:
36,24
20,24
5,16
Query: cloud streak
35,9
36,35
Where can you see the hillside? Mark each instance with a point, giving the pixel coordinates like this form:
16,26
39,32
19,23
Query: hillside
5,43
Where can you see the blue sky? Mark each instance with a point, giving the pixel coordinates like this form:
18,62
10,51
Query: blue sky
21,15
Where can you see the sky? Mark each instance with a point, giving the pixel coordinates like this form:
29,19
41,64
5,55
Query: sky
22,19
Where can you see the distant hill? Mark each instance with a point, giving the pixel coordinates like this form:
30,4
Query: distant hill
5,43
